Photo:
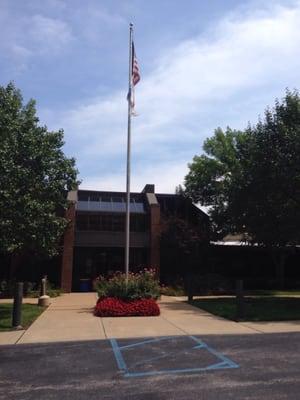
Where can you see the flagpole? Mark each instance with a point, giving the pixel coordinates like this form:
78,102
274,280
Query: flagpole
127,225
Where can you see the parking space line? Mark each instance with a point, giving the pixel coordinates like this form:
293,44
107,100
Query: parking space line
118,355
216,353
225,362
145,342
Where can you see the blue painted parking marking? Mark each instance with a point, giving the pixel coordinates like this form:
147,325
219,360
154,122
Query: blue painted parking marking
144,342
118,355
130,369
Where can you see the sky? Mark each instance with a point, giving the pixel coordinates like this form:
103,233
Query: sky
203,64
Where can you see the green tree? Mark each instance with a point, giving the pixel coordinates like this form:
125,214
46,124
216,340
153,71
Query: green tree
269,183
34,178
251,179
212,175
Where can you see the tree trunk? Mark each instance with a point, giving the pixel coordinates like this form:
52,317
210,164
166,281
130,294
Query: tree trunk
14,265
16,262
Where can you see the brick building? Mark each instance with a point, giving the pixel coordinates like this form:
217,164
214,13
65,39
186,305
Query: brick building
95,239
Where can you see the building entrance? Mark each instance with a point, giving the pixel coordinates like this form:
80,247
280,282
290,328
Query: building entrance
90,262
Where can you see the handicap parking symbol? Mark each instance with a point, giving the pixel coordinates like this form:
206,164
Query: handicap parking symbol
167,355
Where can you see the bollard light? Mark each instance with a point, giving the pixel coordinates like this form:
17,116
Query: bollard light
44,300
17,306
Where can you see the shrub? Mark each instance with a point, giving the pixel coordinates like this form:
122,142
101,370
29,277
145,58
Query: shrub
30,289
34,289
172,290
141,285
211,284
5,289
114,307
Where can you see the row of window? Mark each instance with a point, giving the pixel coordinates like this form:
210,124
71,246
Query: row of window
109,206
107,222
105,198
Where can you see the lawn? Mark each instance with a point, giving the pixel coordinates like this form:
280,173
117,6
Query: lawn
266,308
29,313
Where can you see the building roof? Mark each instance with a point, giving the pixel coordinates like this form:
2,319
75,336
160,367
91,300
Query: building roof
115,201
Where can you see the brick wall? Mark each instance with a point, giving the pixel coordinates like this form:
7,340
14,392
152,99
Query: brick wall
155,236
67,258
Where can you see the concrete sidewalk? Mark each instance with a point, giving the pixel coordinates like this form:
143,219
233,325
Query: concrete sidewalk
70,318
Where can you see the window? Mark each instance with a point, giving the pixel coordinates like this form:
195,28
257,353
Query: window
106,223
138,208
118,223
138,223
110,222
116,204
106,199
94,197
94,206
83,205
82,222
117,199
83,196
118,207
94,223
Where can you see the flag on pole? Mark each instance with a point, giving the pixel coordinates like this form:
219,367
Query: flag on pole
135,68
135,78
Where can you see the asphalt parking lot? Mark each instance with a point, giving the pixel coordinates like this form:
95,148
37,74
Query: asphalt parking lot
262,366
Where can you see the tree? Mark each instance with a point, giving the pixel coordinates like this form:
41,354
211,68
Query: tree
269,184
251,179
178,233
211,177
35,176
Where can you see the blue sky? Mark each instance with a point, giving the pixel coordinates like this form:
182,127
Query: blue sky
203,64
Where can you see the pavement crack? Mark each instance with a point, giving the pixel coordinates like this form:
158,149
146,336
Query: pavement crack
19,338
251,327
103,327
172,323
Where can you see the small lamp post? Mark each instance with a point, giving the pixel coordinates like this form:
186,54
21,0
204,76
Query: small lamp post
44,300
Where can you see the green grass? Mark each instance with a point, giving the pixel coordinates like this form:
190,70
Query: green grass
256,308
29,313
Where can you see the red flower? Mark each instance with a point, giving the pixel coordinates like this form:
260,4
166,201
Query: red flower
114,307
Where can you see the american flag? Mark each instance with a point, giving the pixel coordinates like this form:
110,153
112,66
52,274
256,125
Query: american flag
135,79
135,68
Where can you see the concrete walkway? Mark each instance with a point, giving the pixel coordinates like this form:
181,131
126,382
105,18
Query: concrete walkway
70,318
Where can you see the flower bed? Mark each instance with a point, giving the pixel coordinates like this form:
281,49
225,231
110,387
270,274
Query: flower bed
114,307
121,296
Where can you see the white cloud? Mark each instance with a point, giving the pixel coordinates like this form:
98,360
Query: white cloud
247,60
20,51
162,176
102,15
20,55
30,36
49,33
102,24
